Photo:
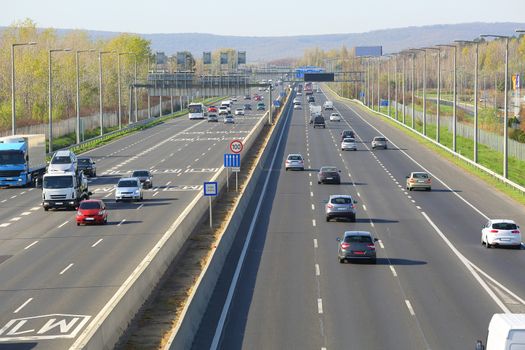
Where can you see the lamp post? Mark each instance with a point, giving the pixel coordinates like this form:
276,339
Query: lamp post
454,98
424,89
119,89
101,115
412,86
438,123
50,96
476,137
13,104
506,112
77,66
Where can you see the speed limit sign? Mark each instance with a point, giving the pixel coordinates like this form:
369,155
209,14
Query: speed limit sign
236,146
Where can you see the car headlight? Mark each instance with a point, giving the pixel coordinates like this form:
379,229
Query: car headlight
137,191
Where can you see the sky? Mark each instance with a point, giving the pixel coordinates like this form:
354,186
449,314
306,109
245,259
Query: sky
256,17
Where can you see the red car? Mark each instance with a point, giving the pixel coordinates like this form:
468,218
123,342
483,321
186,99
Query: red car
257,98
212,109
92,211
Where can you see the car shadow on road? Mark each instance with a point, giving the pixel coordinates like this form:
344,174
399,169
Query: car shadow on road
354,183
120,223
399,262
376,221
18,346
442,190
104,180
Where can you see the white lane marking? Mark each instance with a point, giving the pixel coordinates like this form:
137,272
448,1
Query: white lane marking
381,244
23,305
364,207
34,208
140,206
410,308
310,183
320,305
155,193
5,224
317,270
97,242
15,219
470,266
313,207
62,225
26,213
168,183
409,197
313,222
196,159
315,243
358,194
22,192
413,201
31,189
310,174
32,244
393,271
372,224
5,200
67,268
107,195
417,206
12,197
311,194
120,223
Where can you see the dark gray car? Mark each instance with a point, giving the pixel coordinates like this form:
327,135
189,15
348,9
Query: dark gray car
356,245
145,177
340,206
87,165
329,175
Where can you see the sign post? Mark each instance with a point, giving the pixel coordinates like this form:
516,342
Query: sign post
210,190
233,161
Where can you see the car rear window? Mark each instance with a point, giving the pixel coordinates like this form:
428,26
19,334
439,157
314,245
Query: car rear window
295,158
504,226
358,239
140,174
379,139
329,169
349,140
420,176
89,205
127,183
341,200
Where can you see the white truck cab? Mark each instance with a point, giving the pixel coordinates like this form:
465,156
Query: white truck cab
506,332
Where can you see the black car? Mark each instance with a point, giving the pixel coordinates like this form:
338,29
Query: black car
145,177
247,107
319,122
347,134
311,99
87,165
247,97
328,174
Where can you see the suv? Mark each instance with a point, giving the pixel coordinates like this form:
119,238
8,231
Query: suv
340,206
379,142
418,180
223,110
145,177
128,188
502,232
87,165
357,245
261,106
319,122
347,134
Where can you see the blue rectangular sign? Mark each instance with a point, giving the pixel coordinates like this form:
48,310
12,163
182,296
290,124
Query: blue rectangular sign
232,160
210,188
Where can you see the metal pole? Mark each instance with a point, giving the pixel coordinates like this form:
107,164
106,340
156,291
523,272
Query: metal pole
50,104
506,115
404,88
412,81
378,83
476,104
438,121
77,131
424,93
101,117
236,181
396,85
149,96
119,93
135,90
454,104
270,107
388,86
13,105
211,214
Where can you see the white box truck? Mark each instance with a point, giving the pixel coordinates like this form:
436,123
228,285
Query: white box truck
506,332
64,190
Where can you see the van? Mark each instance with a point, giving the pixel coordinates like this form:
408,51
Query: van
63,161
227,104
506,332
328,105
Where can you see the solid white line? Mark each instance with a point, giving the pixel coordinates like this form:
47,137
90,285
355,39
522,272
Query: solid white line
67,268
313,207
62,225
140,206
23,305
320,305
410,308
317,270
313,222
235,279
381,245
393,271
120,223
97,242
315,243
32,244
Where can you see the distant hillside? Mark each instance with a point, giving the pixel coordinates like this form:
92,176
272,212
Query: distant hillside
260,49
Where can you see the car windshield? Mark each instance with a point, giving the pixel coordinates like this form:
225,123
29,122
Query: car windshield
349,140
504,226
295,158
61,160
328,169
142,173
65,181
195,109
420,176
84,161
89,205
341,200
11,157
127,183
358,239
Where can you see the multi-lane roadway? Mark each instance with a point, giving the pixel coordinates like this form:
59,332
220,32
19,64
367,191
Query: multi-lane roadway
55,277
434,285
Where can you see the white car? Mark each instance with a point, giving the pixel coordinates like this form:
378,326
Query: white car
294,161
348,144
297,106
501,232
128,188
229,119
239,111
335,117
223,110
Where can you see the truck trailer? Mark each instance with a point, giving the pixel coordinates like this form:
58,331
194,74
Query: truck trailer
22,159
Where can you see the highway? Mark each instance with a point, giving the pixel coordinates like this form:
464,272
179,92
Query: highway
56,276
434,285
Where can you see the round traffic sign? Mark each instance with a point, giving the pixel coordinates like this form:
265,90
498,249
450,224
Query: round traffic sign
236,146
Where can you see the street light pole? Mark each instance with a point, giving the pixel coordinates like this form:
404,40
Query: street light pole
100,102
438,102
119,89
424,89
454,98
50,97
412,81
77,66
13,102
506,112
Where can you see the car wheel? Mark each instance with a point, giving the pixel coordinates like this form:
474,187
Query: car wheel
46,208
116,200
318,182
286,169
338,182
327,219
410,188
341,261
302,169
373,261
78,223
428,189
105,220
487,244
352,219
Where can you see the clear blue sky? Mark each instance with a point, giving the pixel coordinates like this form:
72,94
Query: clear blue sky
256,17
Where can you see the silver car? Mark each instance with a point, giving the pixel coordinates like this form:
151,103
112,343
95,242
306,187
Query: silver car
379,142
356,245
294,161
348,144
128,188
340,206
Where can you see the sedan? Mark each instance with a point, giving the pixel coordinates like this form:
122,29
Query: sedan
87,165
356,245
212,109
92,211
335,117
501,232
329,174
294,161
239,111
145,177
297,106
348,144
128,188
247,107
247,97
213,118
340,206
229,119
